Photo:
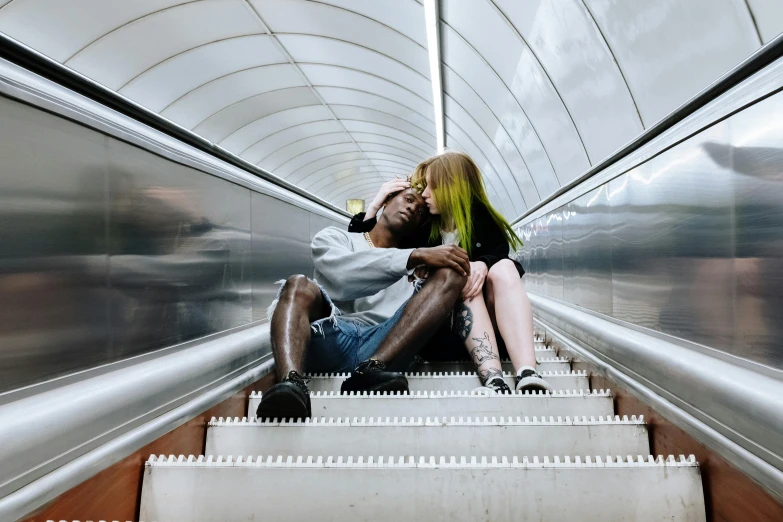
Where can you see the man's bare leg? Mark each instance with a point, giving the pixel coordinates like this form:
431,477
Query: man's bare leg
300,303
423,315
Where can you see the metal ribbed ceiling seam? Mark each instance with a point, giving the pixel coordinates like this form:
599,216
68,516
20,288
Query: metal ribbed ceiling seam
336,95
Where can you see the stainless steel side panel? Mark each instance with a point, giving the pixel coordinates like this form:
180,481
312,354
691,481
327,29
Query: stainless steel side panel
688,244
54,316
112,251
672,242
179,244
281,246
587,252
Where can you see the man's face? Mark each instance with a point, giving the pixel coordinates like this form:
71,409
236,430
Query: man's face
405,212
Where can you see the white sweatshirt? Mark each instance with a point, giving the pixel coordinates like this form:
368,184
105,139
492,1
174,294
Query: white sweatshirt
367,284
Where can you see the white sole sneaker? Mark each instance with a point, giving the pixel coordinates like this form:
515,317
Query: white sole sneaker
533,383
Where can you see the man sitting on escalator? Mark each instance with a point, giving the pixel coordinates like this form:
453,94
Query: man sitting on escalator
363,315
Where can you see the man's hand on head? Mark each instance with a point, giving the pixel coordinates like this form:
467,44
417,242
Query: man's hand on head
444,256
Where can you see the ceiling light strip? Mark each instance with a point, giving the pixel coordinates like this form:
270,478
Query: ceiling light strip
432,19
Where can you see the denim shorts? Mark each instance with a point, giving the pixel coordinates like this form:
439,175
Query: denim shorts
339,345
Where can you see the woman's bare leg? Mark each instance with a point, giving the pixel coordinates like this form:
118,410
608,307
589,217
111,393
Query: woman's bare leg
474,327
509,306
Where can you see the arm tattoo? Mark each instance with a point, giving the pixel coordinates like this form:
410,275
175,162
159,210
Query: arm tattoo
483,352
486,375
463,321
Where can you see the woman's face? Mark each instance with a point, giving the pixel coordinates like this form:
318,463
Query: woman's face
429,197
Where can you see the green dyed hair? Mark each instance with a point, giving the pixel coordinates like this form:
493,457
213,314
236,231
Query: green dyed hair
456,184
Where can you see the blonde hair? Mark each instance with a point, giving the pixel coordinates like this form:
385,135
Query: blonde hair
456,183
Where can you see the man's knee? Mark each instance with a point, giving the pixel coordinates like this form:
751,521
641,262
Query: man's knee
300,287
503,272
449,279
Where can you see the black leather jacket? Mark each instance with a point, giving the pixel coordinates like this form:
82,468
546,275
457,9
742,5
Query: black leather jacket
489,241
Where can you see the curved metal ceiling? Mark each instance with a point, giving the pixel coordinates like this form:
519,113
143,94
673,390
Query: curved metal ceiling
336,95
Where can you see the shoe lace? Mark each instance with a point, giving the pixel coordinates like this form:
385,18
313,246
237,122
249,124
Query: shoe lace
371,365
294,377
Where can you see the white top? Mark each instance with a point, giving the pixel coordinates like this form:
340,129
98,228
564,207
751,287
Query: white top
450,238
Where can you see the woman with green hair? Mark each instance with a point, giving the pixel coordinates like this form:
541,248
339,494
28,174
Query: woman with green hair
494,301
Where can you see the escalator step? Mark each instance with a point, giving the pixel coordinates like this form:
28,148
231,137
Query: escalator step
448,404
545,364
395,488
430,436
457,381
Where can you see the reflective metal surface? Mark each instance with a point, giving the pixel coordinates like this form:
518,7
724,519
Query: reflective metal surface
687,244
110,251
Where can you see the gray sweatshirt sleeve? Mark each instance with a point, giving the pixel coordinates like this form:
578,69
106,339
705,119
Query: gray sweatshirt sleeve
346,274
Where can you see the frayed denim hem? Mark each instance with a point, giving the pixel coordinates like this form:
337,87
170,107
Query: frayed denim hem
316,326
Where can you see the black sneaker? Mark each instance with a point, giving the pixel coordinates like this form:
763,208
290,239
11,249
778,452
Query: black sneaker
498,385
530,380
371,376
288,399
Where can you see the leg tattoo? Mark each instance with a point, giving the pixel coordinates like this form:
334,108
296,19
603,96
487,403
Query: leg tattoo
463,321
488,374
483,352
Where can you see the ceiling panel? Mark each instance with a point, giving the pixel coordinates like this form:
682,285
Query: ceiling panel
564,149
303,17
244,137
354,89
404,16
301,147
768,15
203,102
303,172
475,34
177,76
327,151
264,147
60,29
375,147
348,112
159,36
334,96
230,119
309,49
575,57
371,127
380,139
670,49
340,173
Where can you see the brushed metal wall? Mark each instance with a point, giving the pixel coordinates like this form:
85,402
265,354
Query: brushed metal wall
689,243
110,251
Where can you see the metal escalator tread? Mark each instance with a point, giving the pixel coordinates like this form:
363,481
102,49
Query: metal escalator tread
456,403
438,453
457,381
430,436
545,363
425,488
